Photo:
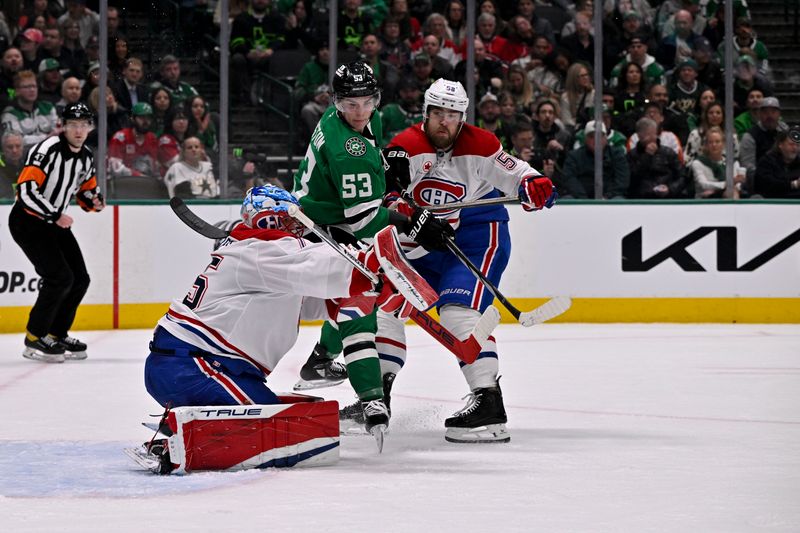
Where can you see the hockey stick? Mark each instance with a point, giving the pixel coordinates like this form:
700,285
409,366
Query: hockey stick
548,310
474,203
466,350
195,222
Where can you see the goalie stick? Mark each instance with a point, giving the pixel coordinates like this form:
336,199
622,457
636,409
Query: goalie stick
466,350
548,310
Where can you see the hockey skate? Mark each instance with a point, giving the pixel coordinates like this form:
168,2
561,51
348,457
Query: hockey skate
376,420
45,349
351,417
152,456
75,350
483,419
320,371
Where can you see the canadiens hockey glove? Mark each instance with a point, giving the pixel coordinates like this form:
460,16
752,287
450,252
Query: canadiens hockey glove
536,192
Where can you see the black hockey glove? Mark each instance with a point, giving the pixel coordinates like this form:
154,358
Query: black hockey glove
397,169
428,231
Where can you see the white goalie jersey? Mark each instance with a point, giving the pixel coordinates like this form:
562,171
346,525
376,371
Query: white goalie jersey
248,302
475,167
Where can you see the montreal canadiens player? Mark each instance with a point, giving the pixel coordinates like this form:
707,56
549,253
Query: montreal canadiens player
443,160
218,344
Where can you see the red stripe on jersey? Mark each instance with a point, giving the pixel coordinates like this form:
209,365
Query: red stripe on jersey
413,140
486,264
390,342
224,382
219,338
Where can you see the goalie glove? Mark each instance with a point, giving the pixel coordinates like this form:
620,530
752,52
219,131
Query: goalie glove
536,192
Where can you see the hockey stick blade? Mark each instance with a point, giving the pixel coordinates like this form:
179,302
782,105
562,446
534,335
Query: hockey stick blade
195,222
547,311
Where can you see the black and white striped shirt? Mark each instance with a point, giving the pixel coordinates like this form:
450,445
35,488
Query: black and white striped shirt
52,175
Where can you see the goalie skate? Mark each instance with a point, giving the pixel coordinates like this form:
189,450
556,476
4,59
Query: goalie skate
152,456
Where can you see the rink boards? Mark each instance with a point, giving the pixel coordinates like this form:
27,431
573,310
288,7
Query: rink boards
620,262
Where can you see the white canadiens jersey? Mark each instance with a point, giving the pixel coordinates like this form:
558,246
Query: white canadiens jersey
472,169
248,302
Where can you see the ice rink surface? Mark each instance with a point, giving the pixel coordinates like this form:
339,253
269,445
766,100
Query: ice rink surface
614,428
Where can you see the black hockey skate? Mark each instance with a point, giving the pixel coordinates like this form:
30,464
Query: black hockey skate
45,349
351,417
75,349
320,371
483,419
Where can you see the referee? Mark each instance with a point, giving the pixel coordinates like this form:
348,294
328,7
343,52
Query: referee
55,170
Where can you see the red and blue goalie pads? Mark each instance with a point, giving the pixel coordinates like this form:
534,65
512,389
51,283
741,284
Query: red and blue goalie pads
304,432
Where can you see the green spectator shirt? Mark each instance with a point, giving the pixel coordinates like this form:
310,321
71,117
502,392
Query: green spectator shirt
312,75
35,125
340,182
653,72
179,94
395,119
743,123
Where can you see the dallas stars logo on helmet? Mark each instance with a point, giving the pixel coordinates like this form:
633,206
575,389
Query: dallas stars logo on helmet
355,147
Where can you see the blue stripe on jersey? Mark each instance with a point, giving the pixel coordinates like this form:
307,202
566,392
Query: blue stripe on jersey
391,359
203,336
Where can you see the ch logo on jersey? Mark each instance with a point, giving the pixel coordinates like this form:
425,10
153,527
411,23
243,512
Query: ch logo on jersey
355,146
436,191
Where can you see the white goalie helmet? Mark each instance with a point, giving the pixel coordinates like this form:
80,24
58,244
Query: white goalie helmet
447,94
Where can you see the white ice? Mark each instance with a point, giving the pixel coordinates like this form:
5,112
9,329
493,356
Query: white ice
614,428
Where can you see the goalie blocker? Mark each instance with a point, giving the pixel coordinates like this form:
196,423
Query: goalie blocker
302,431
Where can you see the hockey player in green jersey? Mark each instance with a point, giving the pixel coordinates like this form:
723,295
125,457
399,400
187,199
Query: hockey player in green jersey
340,185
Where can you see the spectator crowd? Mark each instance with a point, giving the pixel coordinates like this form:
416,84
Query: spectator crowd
662,132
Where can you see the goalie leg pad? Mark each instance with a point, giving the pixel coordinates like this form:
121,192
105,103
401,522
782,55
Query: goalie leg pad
396,267
304,433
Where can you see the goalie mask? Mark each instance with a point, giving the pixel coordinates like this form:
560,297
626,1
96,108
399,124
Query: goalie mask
267,207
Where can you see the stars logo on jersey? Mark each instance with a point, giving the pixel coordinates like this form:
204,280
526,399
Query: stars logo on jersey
355,146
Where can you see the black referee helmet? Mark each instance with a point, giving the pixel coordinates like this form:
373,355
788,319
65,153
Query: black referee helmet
77,111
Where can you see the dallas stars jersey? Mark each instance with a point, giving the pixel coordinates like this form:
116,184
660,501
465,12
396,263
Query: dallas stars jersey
340,182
